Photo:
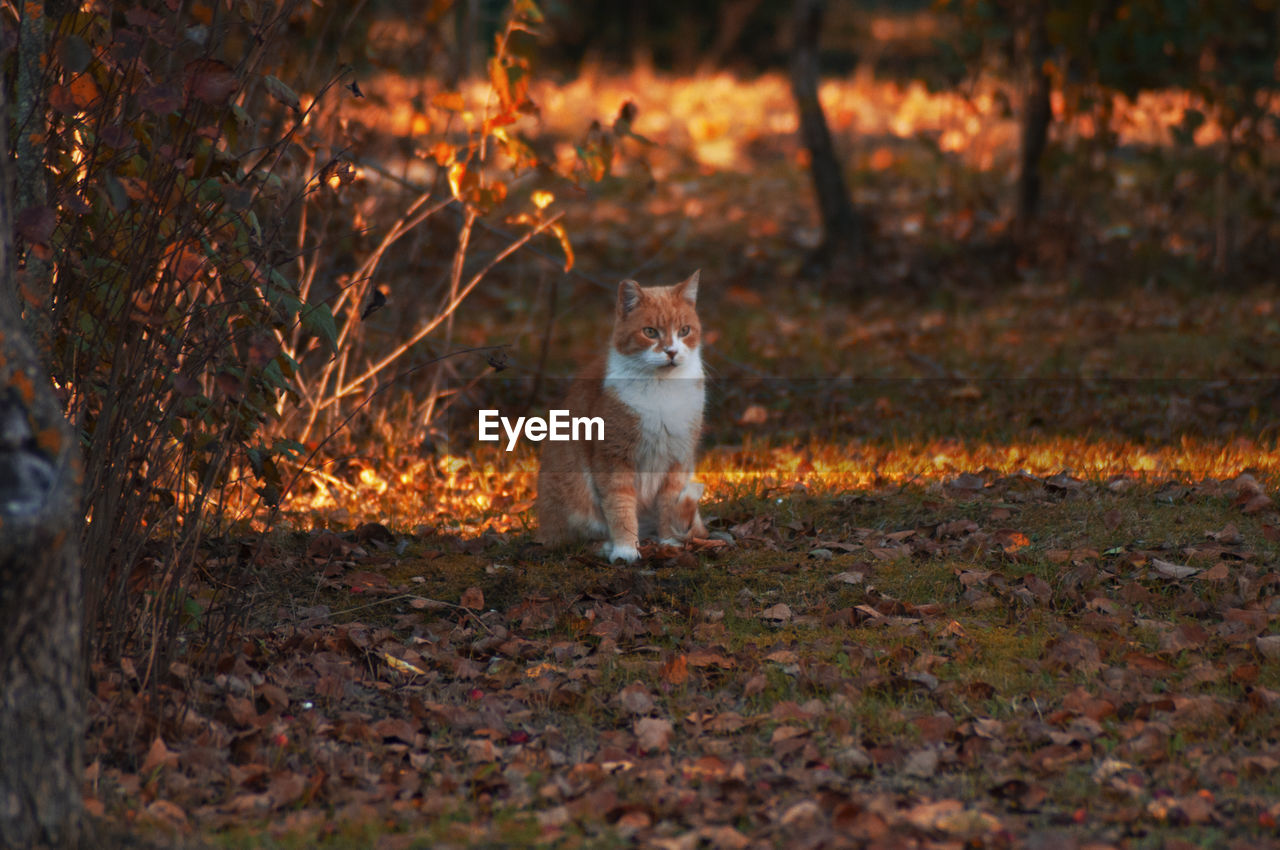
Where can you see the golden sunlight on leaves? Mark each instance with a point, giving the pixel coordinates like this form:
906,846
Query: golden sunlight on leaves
494,489
449,100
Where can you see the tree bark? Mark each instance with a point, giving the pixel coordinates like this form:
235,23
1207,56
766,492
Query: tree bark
730,23
41,609
842,227
32,126
1037,113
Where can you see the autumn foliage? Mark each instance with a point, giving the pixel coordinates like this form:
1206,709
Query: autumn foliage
994,555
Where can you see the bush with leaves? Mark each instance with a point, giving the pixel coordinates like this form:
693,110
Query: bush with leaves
178,197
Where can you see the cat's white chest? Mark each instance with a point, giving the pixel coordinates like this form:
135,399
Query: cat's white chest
668,406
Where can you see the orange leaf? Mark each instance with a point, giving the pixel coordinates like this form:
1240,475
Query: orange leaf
563,236
450,100
442,152
676,671
76,96
473,598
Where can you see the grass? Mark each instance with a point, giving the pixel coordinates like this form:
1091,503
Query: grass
1009,620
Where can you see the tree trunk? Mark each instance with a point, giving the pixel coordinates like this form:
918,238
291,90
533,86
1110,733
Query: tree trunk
41,609
1036,114
31,190
841,225
464,37
733,18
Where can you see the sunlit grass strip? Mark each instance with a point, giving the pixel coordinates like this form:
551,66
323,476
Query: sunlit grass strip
869,466
493,490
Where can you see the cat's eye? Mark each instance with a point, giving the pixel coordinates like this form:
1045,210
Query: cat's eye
652,333
685,330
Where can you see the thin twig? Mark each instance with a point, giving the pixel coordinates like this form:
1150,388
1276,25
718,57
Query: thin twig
445,313
310,457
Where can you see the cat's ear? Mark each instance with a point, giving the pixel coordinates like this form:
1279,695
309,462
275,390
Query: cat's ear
628,296
688,288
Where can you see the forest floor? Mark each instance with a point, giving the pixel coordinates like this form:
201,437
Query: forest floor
1004,570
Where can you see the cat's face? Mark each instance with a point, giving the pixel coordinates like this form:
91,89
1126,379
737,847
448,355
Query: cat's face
657,327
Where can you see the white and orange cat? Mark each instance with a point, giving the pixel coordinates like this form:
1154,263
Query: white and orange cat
649,390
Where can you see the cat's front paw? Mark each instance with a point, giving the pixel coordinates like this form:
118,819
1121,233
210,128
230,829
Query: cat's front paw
623,552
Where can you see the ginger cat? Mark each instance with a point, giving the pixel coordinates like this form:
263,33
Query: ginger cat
649,389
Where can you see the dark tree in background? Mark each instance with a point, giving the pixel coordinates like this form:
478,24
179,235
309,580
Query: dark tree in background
841,225
41,666
1037,111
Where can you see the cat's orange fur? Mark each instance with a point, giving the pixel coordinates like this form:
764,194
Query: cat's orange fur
649,390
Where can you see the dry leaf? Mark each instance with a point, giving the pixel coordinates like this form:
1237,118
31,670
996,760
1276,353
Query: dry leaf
653,734
1171,570
636,699
472,598
777,614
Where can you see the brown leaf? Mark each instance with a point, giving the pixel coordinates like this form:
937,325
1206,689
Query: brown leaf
396,729
1063,481
653,734
158,755
159,100
966,481
281,92
803,815
1185,636
472,598
1171,570
242,711
968,822
777,614
481,750
1268,646
704,658
705,767
724,837
922,764
325,545
636,699
165,814
285,788
955,528
786,733
1011,541
1229,535
1218,572
676,670
1255,504
79,95
927,815
210,81
1074,652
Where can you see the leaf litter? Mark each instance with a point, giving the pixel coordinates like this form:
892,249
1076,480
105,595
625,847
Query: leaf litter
1016,686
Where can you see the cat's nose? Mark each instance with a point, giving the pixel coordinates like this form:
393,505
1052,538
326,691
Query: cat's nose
671,353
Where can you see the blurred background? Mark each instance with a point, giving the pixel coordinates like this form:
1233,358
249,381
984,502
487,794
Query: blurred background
278,253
